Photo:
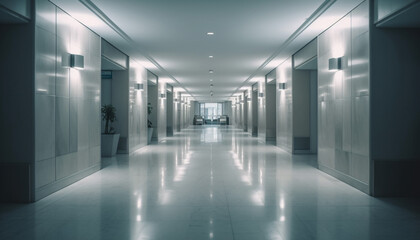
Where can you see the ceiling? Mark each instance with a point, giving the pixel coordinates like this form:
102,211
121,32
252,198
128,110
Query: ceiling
169,37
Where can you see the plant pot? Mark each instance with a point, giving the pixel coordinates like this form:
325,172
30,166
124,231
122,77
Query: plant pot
149,135
109,144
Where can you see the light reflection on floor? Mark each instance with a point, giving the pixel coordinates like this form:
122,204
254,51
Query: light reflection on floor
211,183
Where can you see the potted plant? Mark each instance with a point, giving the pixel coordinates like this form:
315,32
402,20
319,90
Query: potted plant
149,124
109,139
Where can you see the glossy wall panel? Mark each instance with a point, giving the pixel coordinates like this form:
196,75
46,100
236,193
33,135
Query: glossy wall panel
161,111
67,102
285,106
262,128
138,107
343,99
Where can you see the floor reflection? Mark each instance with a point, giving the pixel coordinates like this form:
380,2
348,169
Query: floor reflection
211,182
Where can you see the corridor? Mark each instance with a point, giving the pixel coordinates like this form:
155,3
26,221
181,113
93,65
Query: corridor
211,182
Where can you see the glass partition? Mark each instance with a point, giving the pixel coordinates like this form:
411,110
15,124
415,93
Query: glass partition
211,111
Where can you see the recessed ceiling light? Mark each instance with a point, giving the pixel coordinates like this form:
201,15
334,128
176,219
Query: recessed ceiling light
211,71
210,56
210,33
211,80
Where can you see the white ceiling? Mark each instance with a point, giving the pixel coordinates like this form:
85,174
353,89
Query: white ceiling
169,36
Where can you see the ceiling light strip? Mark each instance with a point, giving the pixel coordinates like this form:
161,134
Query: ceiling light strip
314,16
100,14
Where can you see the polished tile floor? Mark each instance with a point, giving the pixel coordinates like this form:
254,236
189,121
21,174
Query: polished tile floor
211,183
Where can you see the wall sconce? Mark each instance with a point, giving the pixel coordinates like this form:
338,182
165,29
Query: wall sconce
248,99
260,94
162,95
282,86
77,61
176,100
363,93
139,86
322,98
73,61
335,64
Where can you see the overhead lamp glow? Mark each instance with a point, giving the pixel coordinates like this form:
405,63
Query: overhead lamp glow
335,64
211,80
210,56
139,86
210,33
282,86
211,71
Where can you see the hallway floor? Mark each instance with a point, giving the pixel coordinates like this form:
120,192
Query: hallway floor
211,182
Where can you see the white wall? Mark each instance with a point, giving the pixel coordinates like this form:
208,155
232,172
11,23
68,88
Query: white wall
137,114
161,111
285,106
67,114
343,107
262,111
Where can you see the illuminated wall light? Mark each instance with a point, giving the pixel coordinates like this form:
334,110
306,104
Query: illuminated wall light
335,64
210,33
248,99
139,86
282,86
73,61
77,61
211,71
210,56
363,93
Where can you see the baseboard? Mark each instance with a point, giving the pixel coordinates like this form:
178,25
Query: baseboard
64,182
346,179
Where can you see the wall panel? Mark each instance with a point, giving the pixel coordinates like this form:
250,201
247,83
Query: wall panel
68,100
343,100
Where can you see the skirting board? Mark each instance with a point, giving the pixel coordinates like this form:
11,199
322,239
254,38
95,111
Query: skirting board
64,182
345,178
